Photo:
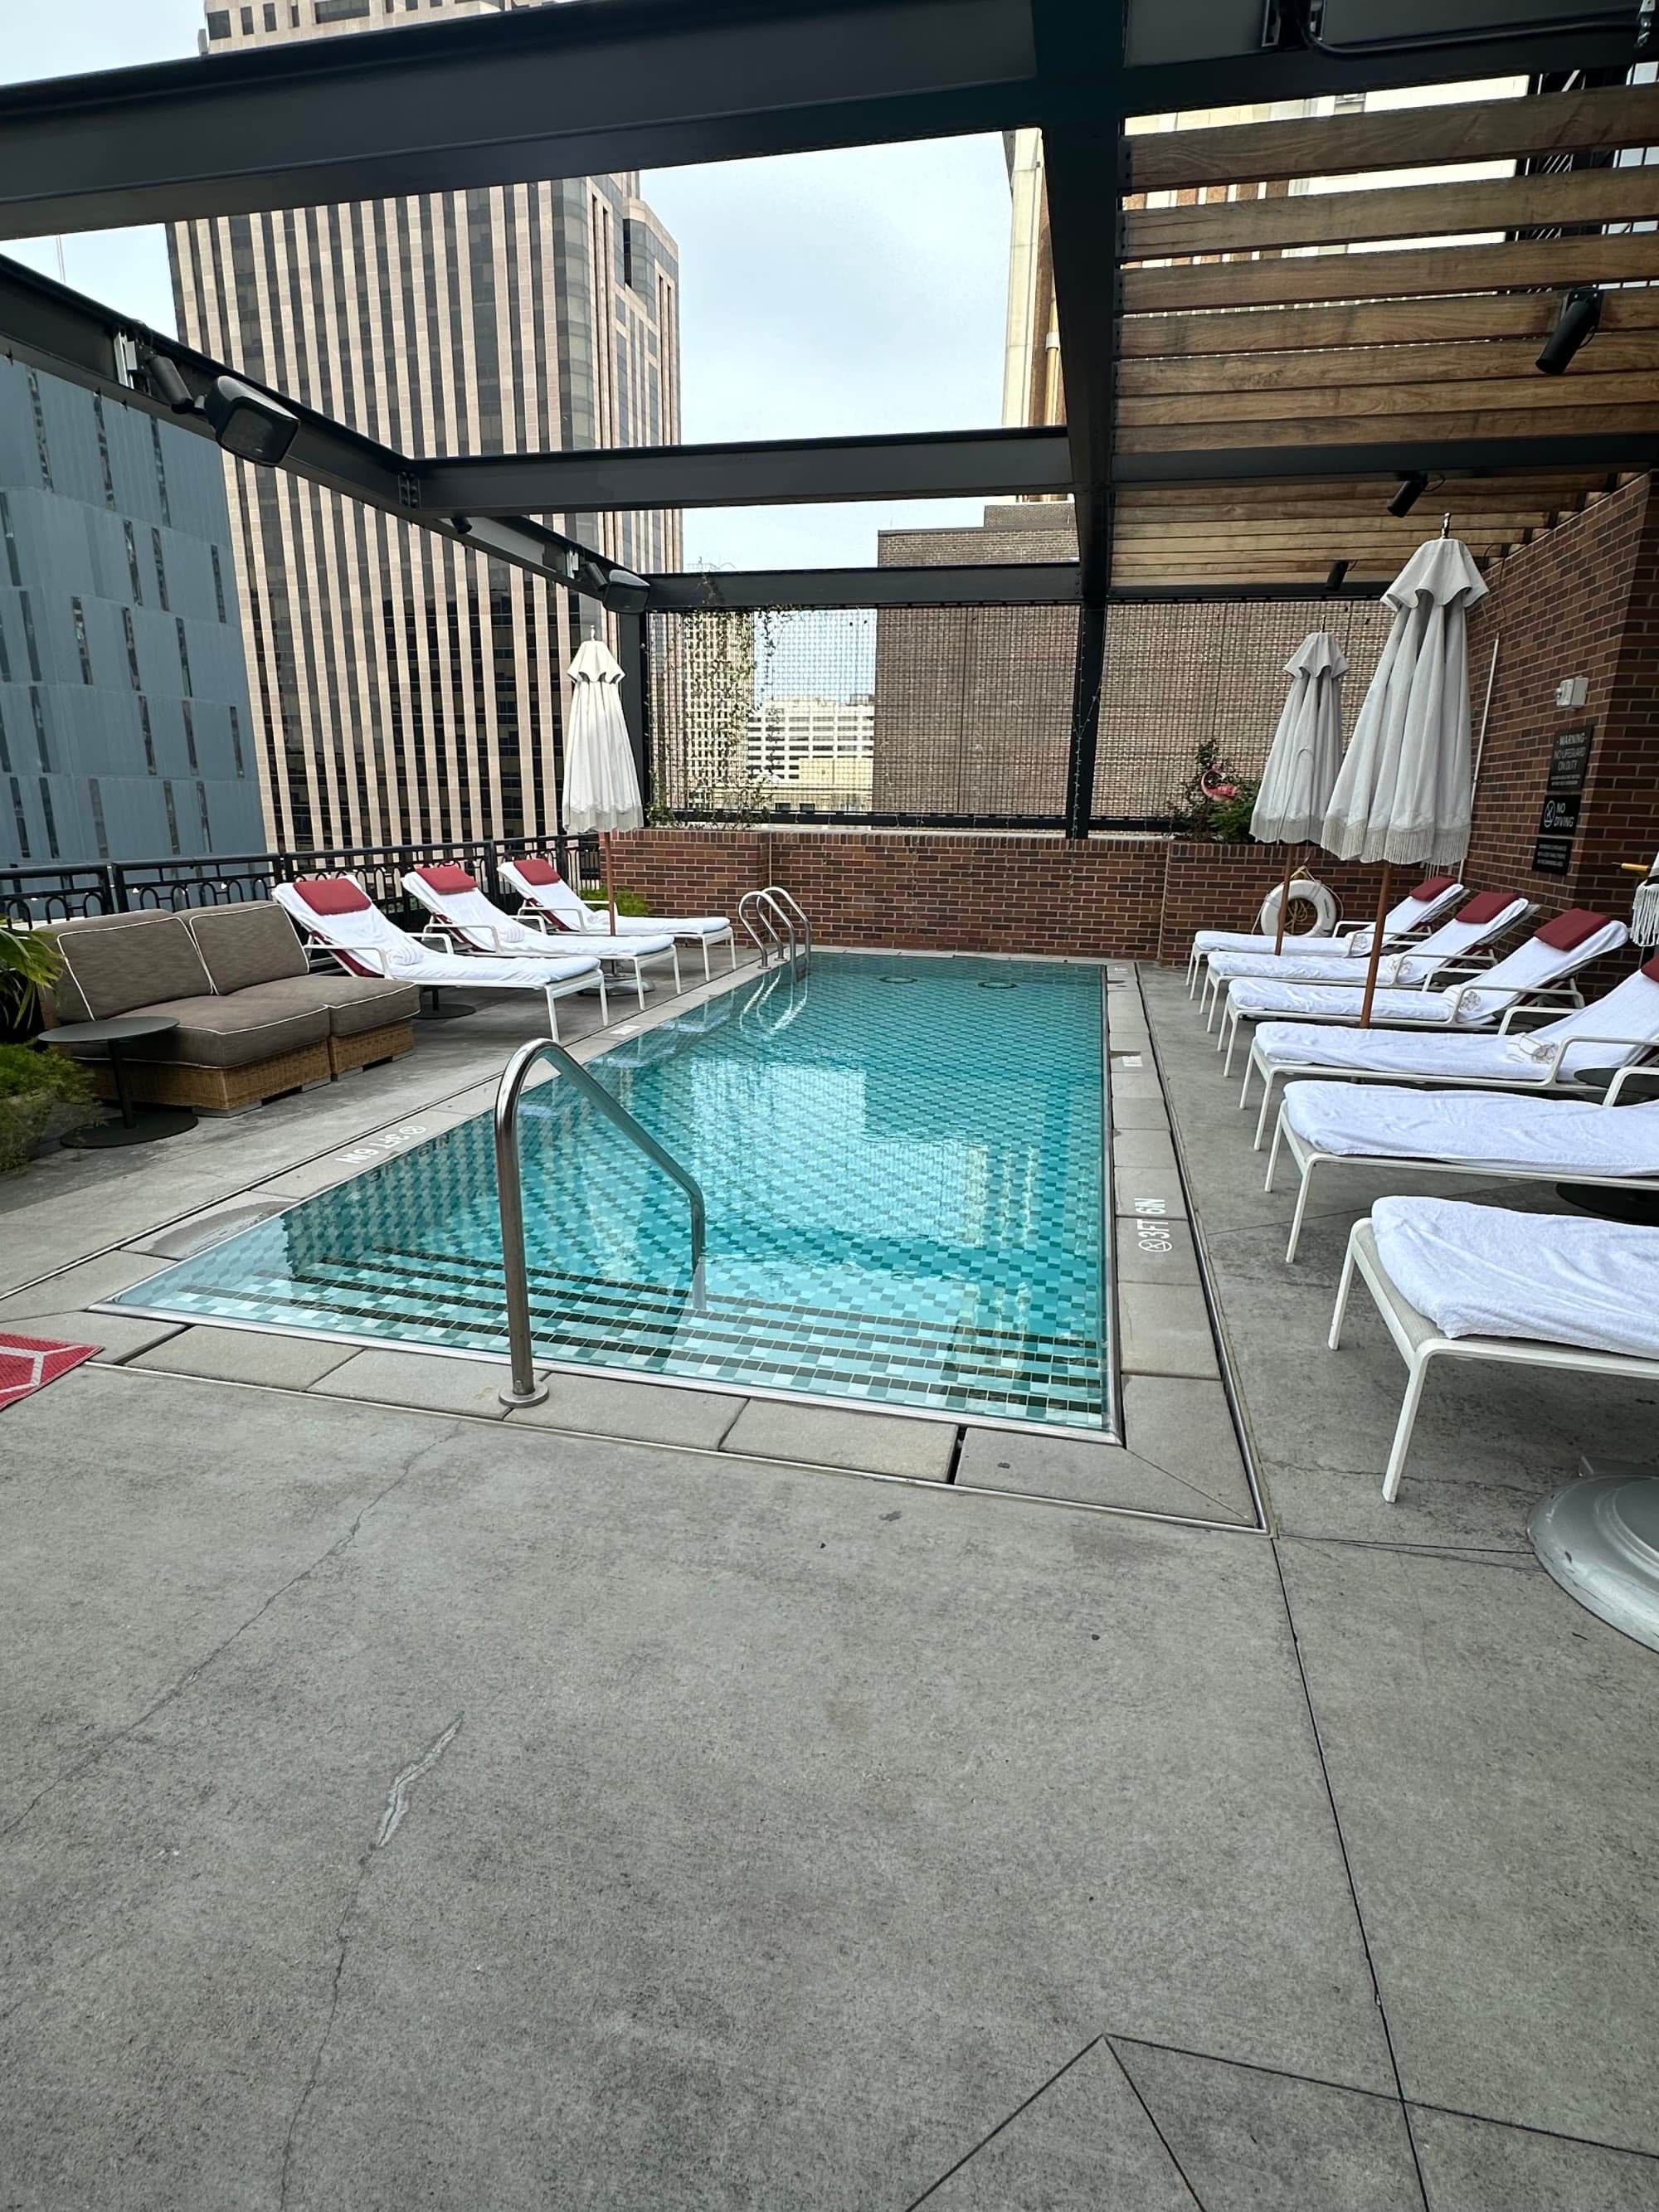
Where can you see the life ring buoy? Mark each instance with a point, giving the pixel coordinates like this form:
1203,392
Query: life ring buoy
1305,892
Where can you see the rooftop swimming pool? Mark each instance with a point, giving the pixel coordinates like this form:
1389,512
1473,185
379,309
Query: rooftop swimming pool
902,1159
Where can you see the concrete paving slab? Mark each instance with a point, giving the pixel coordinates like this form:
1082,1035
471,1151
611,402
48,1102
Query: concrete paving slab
1154,1191
1477,2165
1184,1427
80,1285
1085,2143
438,1383
1258,2142
726,1767
1092,1474
1137,1082
248,1355
602,1405
1143,1148
117,1335
875,1443
1138,1112
1147,1248
1482,1735
1165,1330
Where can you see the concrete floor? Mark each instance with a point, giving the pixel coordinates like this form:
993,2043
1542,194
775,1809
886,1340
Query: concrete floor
413,1807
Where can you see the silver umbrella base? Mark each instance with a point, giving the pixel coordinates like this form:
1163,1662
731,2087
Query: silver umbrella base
1599,1538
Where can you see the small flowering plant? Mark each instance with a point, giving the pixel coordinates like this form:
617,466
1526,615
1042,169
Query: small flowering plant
1215,801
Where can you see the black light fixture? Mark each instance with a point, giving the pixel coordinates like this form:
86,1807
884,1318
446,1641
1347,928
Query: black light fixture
246,423
1411,488
625,593
1575,327
1334,574
164,381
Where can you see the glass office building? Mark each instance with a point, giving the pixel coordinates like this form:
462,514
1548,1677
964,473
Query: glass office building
125,733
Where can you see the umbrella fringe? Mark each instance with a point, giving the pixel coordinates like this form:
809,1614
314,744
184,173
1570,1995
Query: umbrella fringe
1402,849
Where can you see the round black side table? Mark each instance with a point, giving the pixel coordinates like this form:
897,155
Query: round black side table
138,1124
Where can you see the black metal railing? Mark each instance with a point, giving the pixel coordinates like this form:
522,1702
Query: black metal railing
62,894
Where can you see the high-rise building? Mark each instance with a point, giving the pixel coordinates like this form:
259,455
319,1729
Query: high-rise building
124,725
404,687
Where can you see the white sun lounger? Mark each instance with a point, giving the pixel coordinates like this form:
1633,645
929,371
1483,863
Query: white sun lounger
1530,976
1618,1031
1421,907
1454,1281
1475,926
336,912
476,925
1331,1126
544,891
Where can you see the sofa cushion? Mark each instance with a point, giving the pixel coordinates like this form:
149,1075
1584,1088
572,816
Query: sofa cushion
255,1024
244,944
120,963
357,1003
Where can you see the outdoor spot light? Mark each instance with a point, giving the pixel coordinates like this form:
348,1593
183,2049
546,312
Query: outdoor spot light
1411,488
625,593
247,423
1334,574
165,381
1576,324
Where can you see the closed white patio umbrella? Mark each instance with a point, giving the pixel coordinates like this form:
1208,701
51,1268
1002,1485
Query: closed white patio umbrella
1304,757
1404,791
601,786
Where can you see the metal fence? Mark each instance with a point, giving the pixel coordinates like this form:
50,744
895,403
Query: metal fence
60,894
962,715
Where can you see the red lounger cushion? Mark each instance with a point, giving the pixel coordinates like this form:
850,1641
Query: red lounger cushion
1567,931
331,894
1432,887
1651,969
536,871
1485,906
446,880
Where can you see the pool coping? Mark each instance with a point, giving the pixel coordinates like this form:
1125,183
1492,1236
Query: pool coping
471,1097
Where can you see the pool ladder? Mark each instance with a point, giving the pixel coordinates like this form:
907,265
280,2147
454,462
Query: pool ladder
779,911
524,1389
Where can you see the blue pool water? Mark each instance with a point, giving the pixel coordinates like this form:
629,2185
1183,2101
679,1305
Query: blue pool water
902,1164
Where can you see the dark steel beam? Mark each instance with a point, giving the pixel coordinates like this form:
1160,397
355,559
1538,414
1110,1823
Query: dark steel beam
46,325
999,584
1599,449
572,91
1080,45
603,85
942,465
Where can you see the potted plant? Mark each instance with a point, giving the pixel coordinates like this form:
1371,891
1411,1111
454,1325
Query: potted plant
43,1096
1216,803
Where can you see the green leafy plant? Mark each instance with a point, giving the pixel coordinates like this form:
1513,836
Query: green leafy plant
29,960
37,1088
628,903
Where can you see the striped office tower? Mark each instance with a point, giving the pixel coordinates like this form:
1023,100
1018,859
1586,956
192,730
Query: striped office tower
403,688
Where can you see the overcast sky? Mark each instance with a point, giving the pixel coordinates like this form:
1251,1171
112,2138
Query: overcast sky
821,294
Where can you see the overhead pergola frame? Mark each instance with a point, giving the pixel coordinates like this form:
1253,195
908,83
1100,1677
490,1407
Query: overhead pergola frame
1258,340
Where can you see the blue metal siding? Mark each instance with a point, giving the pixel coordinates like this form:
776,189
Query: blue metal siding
70,545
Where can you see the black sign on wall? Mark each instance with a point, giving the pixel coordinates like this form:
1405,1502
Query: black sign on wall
1558,819
1570,753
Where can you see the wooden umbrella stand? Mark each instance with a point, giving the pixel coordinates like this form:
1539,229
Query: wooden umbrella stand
1376,948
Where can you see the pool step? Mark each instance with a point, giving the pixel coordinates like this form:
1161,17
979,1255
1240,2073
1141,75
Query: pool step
958,1367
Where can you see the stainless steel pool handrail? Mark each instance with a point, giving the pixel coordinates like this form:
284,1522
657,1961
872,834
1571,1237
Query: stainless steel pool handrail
774,905
524,1390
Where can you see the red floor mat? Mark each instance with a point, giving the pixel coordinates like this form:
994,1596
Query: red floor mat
27,1364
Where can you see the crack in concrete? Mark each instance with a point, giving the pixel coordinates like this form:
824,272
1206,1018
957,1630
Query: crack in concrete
193,1674
397,1805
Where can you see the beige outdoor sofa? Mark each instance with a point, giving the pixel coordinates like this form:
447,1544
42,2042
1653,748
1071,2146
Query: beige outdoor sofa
253,1020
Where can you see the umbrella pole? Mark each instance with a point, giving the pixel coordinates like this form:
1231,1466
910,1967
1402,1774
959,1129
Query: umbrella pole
1284,899
1377,949
610,894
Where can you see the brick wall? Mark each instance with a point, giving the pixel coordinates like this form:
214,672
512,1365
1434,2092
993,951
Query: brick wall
1128,898
1578,602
